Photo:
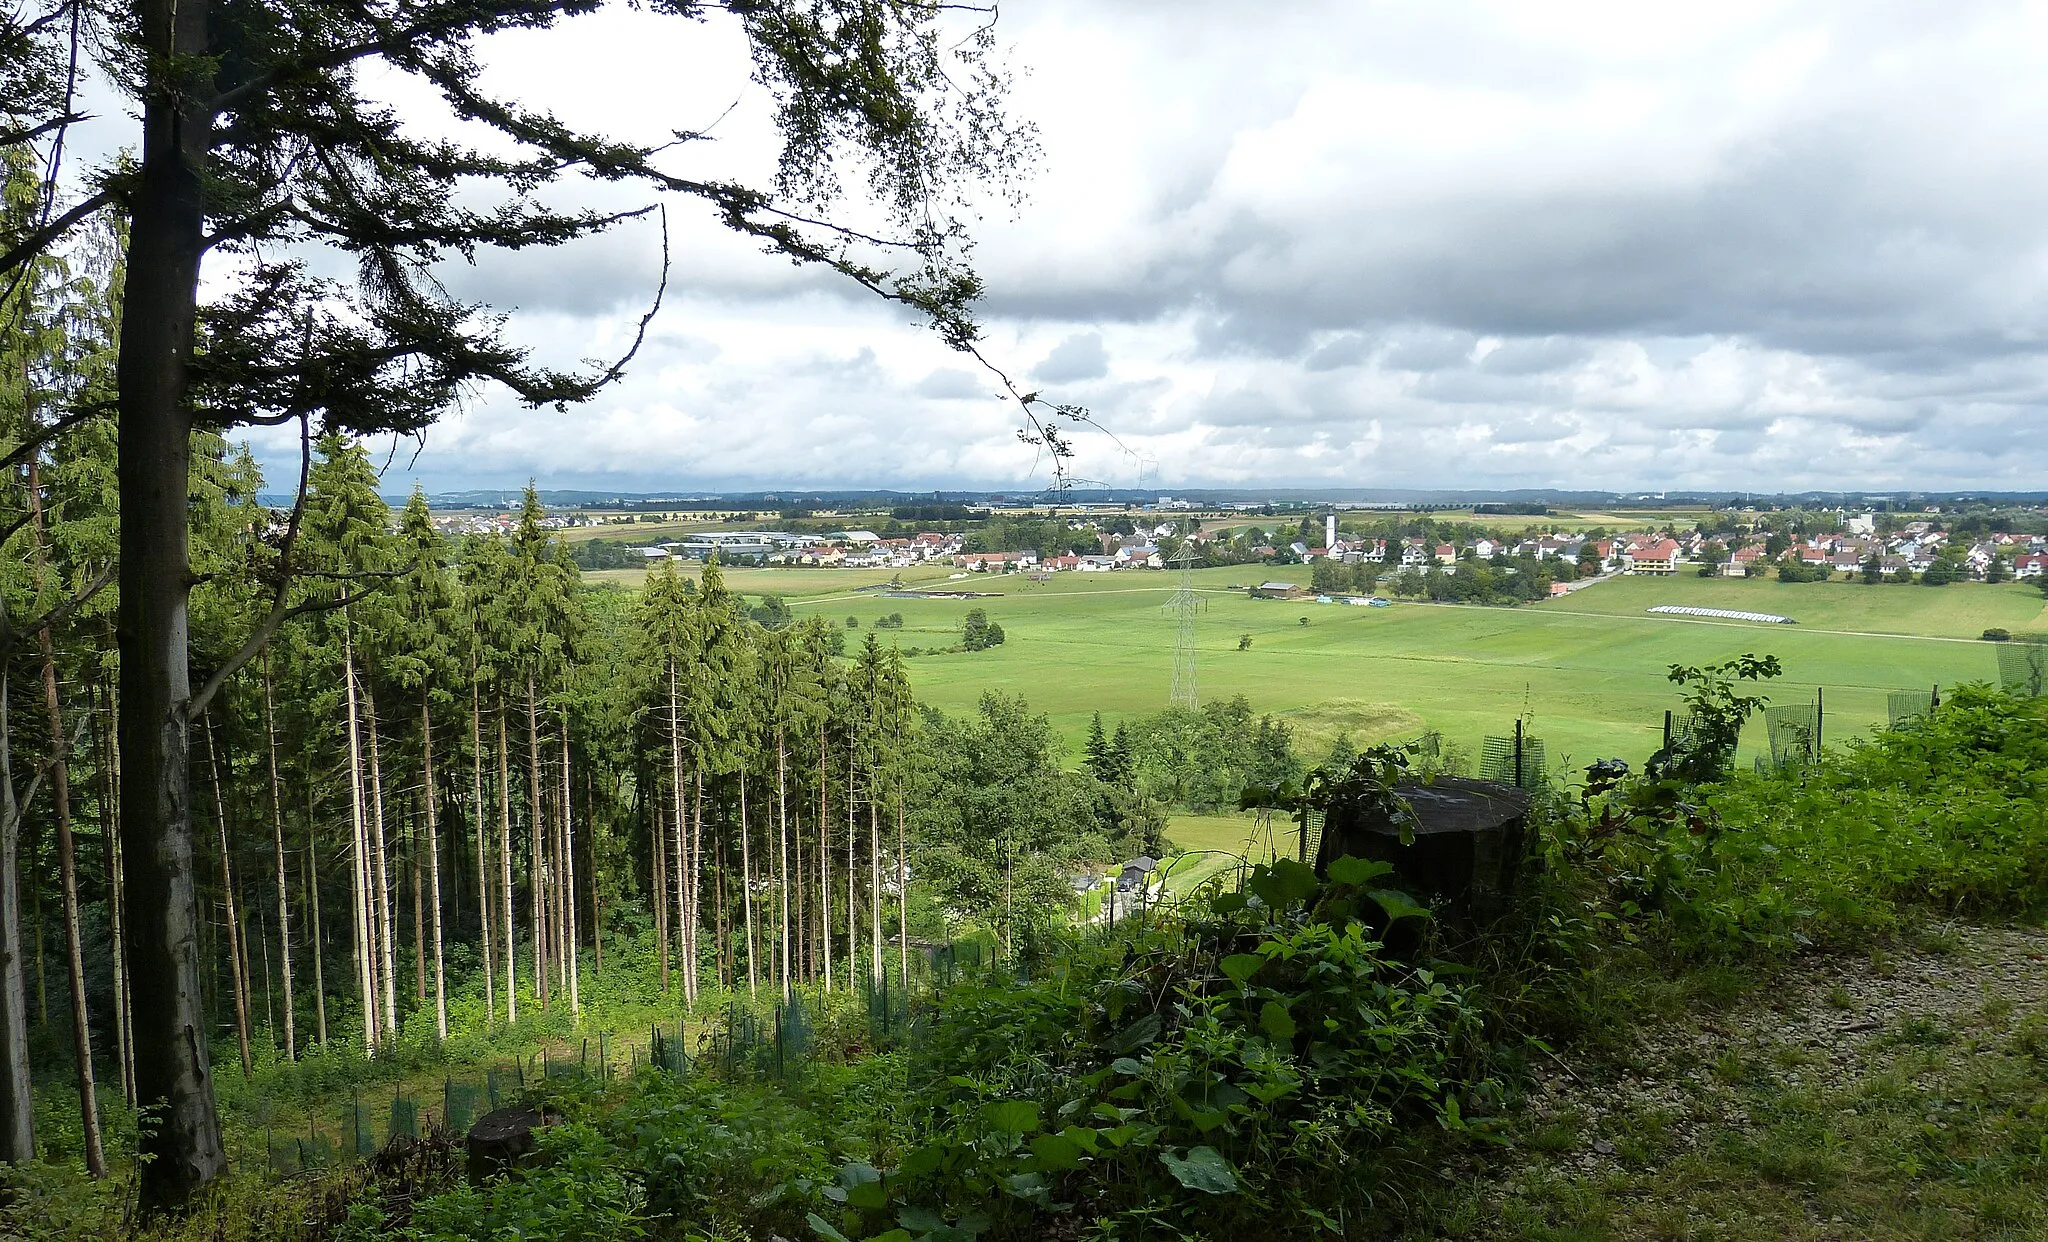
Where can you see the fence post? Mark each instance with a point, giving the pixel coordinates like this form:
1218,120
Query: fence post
1518,753
1667,729
1819,719
1937,697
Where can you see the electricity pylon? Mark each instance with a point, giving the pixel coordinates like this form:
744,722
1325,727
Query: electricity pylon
1183,694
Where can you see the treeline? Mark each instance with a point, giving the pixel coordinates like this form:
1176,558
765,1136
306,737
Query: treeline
606,554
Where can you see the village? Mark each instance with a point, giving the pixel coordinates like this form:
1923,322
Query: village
1863,547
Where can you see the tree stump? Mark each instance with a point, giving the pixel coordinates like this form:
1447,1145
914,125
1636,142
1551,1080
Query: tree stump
500,1139
1469,838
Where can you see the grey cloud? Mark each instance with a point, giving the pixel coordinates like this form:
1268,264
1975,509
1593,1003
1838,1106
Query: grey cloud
951,384
1079,357
1826,276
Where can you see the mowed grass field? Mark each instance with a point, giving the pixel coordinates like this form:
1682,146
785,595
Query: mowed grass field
1588,670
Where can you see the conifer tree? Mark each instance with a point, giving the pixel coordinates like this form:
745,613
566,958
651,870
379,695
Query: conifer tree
423,661
1099,761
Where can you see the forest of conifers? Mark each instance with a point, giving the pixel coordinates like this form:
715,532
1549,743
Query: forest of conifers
459,777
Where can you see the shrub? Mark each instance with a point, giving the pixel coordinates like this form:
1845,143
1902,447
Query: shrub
1996,635
1946,813
979,633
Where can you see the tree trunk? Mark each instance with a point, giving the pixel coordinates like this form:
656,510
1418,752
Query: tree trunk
747,889
658,879
852,906
433,865
596,879
694,876
824,865
67,859
902,898
653,811
238,969
721,884
568,822
360,879
675,763
419,911
799,914
483,852
284,905
17,1085
505,866
386,922
536,864
110,834
782,849
181,1145
312,880
269,998
874,886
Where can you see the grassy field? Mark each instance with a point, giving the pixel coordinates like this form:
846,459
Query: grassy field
1588,670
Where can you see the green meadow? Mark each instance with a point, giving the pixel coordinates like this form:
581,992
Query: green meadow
1588,671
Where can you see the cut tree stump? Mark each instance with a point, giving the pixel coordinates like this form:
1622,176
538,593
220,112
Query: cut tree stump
501,1139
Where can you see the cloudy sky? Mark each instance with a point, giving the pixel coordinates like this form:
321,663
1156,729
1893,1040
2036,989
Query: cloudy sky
1743,245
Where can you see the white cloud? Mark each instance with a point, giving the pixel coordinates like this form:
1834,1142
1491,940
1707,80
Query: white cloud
1746,245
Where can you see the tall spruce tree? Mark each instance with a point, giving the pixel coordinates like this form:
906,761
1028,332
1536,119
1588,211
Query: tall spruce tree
424,663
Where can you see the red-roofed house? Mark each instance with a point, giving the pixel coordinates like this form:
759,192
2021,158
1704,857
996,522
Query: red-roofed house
1658,557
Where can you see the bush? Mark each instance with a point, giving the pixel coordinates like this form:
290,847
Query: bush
1996,635
979,633
1221,1075
1946,814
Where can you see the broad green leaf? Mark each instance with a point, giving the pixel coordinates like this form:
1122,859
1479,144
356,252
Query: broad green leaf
1056,1151
1276,1022
871,1196
1358,871
1203,1169
1286,883
1124,1065
1398,905
1242,966
1011,1116
923,1160
823,1230
1137,1034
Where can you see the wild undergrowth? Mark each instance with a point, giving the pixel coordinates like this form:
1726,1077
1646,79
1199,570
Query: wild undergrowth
1261,1063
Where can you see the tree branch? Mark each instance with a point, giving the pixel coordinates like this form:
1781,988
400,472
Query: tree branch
457,19
42,436
35,243
8,634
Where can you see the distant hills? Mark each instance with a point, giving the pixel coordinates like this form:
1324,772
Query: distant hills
1449,497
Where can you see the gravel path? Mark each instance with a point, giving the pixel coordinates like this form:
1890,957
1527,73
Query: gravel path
1671,1130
